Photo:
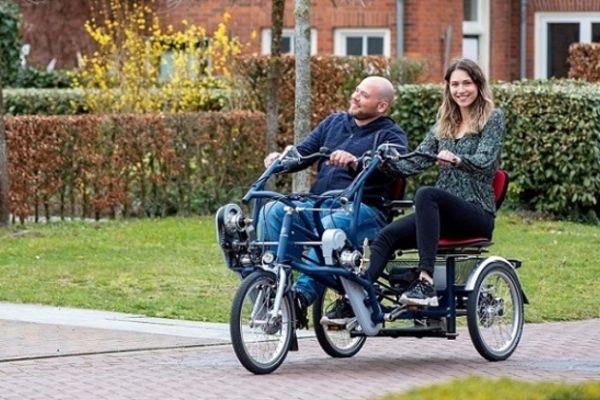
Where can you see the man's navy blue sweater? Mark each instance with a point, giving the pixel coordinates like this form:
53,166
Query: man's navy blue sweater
339,132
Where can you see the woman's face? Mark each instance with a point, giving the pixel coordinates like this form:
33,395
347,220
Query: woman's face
462,88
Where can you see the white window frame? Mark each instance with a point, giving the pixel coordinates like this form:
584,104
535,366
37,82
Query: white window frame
265,40
340,35
542,19
481,29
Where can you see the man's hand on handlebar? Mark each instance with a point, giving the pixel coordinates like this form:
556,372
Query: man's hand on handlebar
446,159
270,159
341,158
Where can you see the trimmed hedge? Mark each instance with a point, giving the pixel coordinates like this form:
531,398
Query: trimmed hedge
131,165
333,79
552,144
73,101
552,148
584,59
44,102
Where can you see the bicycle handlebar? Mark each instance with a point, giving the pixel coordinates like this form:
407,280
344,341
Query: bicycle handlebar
371,160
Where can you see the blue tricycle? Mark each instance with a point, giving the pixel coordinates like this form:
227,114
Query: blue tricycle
485,289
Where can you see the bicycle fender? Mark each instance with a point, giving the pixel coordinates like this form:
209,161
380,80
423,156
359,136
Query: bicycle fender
470,285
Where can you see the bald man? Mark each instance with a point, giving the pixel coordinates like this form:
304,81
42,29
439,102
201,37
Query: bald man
348,135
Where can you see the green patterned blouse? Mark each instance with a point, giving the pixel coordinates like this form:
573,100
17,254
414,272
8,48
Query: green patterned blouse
480,154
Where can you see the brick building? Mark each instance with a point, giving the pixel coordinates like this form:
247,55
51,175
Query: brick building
510,38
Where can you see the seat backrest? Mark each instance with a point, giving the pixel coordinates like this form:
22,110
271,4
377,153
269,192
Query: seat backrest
500,185
397,189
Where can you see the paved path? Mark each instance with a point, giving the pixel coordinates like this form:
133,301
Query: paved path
61,353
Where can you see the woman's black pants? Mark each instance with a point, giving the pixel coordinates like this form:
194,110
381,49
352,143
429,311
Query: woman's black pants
437,214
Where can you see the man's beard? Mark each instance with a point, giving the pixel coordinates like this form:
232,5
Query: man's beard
362,115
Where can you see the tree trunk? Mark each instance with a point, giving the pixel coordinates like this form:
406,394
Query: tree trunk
4,181
302,101
277,13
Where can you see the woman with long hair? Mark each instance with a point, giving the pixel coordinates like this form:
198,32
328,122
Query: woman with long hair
467,139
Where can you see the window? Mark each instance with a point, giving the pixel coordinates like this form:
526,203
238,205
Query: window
554,33
596,32
362,42
287,41
172,58
470,10
471,47
476,32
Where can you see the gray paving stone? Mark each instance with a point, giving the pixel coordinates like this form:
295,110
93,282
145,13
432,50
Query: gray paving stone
62,361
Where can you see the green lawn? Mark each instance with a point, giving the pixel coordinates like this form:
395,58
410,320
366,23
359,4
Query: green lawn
173,268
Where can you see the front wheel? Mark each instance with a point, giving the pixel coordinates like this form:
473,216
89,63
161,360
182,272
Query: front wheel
260,335
495,312
337,343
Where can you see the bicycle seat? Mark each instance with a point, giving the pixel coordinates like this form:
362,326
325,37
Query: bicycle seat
477,244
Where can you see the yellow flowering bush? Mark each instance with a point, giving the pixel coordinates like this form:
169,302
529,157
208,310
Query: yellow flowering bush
139,67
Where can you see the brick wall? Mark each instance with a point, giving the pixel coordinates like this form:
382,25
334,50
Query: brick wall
250,16
424,28
551,5
427,27
54,29
504,43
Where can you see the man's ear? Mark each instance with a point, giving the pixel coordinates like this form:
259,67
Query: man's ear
383,106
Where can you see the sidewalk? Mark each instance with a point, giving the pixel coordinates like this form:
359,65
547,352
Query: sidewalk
32,331
63,353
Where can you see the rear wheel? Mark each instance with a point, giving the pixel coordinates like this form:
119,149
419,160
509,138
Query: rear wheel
260,335
335,342
495,312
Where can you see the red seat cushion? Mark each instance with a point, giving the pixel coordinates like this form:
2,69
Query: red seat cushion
462,242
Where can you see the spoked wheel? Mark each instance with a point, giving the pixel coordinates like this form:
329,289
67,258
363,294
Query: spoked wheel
495,312
260,335
335,342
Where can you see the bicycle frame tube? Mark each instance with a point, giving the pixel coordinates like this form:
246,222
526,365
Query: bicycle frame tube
327,275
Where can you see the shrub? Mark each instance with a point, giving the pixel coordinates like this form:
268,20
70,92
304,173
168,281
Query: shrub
10,41
32,77
139,68
475,388
333,79
130,164
584,61
44,101
552,144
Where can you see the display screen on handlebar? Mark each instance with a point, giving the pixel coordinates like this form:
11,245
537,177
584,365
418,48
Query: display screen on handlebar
290,154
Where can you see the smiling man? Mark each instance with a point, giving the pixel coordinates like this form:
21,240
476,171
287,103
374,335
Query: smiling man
348,135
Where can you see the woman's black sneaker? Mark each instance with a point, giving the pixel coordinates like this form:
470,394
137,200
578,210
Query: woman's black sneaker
421,293
339,315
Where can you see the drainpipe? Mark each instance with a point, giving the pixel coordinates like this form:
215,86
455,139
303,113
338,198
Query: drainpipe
523,46
399,29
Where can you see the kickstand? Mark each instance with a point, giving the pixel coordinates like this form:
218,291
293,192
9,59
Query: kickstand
294,341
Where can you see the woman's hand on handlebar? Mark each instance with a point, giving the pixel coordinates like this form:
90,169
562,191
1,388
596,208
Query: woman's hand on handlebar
446,158
270,158
341,158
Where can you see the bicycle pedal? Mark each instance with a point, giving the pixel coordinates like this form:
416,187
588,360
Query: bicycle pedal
334,328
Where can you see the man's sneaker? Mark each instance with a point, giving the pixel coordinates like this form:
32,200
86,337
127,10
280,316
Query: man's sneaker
300,308
421,293
339,315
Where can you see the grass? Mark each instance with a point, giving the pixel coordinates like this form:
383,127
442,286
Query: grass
474,388
173,267
167,268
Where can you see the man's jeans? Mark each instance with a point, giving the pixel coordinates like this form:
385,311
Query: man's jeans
370,221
